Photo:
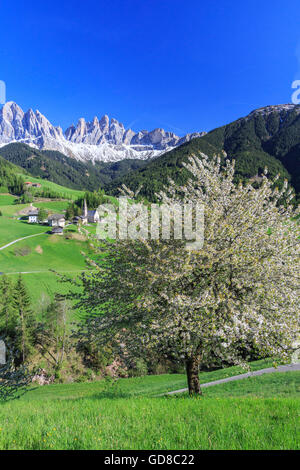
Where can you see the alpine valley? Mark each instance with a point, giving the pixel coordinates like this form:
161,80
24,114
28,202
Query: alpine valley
103,154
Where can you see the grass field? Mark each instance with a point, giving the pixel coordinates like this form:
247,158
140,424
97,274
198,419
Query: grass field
11,230
42,253
98,415
277,385
61,190
52,206
12,210
6,199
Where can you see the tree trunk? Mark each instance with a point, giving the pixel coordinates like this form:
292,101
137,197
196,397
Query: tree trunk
192,371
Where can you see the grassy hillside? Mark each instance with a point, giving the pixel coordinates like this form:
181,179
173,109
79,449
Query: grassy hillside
9,208
43,286
65,171
285,384
59,191
44,252
36,256
10,230
6,200
11,177
99,415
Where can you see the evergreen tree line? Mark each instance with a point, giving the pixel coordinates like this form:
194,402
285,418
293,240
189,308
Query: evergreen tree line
9,179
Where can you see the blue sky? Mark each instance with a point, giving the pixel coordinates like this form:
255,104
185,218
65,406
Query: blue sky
184,65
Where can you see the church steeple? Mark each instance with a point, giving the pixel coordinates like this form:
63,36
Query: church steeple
85,210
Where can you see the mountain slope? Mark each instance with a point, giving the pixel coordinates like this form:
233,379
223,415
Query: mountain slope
271,131
266,137
99,140
65,171
10,177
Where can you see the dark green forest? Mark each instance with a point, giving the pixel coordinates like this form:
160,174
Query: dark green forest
65,171
10,181
255,142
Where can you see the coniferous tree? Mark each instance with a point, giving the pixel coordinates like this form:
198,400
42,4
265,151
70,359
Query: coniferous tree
25,318
8,319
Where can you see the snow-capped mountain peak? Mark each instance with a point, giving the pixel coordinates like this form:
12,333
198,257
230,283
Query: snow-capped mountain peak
101,139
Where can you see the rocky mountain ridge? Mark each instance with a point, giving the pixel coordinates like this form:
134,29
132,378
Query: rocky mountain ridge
99,140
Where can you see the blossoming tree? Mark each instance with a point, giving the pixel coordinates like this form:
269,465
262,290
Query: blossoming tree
214,304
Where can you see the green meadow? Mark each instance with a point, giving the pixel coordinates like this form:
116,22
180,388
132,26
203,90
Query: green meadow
62,191
52,206
9,209
11,230
35,257
6,199
254,413
42,253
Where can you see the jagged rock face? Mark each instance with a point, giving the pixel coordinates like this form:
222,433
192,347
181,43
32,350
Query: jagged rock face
103,139
11,122
15,125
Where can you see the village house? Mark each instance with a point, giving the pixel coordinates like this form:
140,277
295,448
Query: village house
56,220
29,184
33,216
93,217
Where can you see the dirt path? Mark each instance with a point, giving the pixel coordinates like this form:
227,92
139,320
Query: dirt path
48,271
20,239
269,370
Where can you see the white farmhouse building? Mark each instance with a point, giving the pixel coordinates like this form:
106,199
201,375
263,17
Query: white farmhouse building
33,216
56,220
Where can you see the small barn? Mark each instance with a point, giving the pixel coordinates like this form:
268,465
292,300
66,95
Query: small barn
57,231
